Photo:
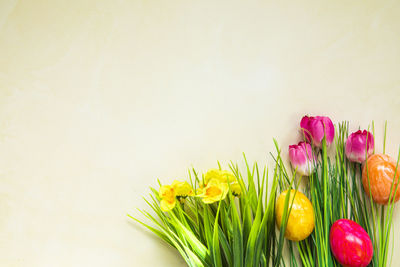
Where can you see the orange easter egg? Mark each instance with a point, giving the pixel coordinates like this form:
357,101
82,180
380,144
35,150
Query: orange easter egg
381,172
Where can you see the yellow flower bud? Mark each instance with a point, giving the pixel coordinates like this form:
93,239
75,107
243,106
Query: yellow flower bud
235,188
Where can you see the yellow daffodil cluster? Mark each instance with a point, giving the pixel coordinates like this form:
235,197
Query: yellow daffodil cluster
170,193
215,187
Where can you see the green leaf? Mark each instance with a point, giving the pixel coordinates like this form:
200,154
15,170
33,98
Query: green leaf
215,242
237,243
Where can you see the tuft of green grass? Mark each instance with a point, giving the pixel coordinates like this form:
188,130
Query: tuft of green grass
232,232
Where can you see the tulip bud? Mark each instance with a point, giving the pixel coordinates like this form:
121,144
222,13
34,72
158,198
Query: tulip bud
302,158
315,128
356,144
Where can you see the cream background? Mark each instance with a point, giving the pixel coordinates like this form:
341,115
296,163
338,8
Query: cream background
100,98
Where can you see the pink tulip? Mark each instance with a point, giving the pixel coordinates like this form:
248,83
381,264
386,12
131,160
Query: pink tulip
302,158
356,144
315,128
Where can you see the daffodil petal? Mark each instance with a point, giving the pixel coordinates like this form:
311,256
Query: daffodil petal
214,191
167,205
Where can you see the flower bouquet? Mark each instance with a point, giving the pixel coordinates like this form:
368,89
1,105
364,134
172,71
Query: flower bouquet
333,206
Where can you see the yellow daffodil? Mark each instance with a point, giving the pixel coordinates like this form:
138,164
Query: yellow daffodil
211,174
182,189
222,176
214,191
228,176
169,194
168,197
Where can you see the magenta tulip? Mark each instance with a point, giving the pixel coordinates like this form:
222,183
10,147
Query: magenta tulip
315,128
356,145
302,158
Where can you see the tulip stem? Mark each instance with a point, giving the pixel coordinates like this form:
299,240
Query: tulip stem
325,186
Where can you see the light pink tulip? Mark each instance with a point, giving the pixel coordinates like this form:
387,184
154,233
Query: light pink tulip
302,158
356,144
315,128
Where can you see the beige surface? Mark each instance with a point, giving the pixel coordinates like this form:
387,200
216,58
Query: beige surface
100,98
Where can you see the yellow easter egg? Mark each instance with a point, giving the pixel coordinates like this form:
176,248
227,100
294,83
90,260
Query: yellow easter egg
301,218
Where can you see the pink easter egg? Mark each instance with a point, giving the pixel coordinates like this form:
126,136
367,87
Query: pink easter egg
350,244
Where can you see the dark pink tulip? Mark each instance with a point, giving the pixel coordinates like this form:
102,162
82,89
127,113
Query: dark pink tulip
315,128
357,143
302,158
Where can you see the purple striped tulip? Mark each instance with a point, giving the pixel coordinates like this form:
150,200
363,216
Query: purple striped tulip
356,145
302,158
315,128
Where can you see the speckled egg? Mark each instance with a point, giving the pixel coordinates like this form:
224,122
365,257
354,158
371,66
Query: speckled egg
301,218
350,244
381,171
